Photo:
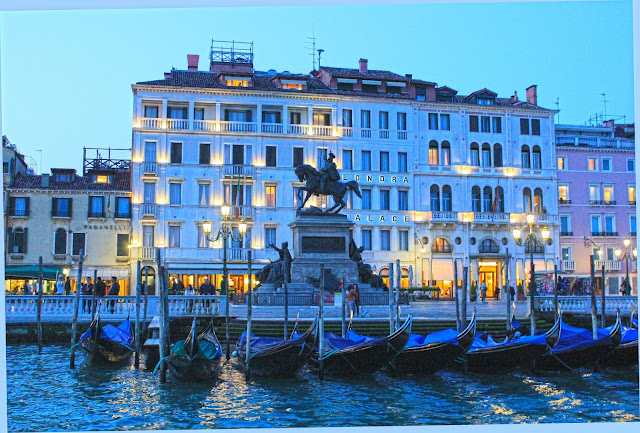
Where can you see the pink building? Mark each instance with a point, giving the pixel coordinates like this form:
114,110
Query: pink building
597,201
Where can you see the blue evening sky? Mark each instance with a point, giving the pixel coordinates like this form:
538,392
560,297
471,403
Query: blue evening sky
67,75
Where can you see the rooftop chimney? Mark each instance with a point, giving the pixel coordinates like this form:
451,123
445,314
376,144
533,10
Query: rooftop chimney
532,94
409,76
363,65
45,181
515,96
167,75
192,61
608,123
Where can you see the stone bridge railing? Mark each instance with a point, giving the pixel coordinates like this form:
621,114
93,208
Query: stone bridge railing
582,304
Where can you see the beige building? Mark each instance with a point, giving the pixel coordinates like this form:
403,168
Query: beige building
56,216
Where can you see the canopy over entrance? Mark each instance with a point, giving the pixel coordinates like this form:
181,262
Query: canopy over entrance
22,272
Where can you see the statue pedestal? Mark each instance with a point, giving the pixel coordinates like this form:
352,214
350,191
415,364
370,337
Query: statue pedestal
321,238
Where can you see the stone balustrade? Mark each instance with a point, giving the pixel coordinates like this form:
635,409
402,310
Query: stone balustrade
582,304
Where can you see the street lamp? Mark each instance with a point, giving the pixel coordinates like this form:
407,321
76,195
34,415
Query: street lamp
588,243
225,231
531,240
633,256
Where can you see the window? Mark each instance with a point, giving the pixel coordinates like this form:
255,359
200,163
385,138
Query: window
496,123
366,199
526,196
369,88
565,226
444,122
562,163
271,117
269,236
149,192
321,157
122,245
270,192
446,198
295,118
441,245
175,193
61,207
433,121
237,82
593,164
365,160
403,240
298,156
445,153
402,162
606,164
151,111
174,236
347,159
96,207
632,194
608,193
563,193
384,161
566,253
498,201
347,118
383,120
62,178
475,154
421,93
403,200
20,206
487,199
203,194
594,193
205,154
475,199
78,243
384,199
632,225
434,198
538,205
488,246
631,165
473,123
366,239
402,121
198,114
271,156
17,240
123,207
486,155
6,167
148,232
365,119
433,153
610,224
177,112
100,178
485,124
321,119
536,158
385,240
202,237
60,242
150,151
524,126
595,224
176,153
483,101
535,126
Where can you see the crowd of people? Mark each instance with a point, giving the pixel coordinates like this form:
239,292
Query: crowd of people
178,288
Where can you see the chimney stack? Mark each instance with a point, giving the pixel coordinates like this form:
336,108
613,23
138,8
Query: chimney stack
45,181
363,65
408,76
192,61
532,94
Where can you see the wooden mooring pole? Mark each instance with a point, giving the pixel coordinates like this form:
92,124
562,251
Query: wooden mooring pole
321,325
286,306
249,314
76,304
463,315
506,292
604,310
594,312
397,294
162,314
456,294
94,304
391,299
138,333
146,296
344,310
39,306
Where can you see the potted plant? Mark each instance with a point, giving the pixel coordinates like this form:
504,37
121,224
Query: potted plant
473,293
520,293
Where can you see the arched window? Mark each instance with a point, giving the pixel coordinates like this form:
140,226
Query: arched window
149,275
536,157
488,246
433,153
497,155
446,198
441,245
526,196
499,199
475,154
486,155
538,205
445,153
487,199
526,157
435,197
537,248
60,242
475,199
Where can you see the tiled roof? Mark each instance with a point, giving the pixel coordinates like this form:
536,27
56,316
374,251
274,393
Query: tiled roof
121,182
370,74
484,91
446,89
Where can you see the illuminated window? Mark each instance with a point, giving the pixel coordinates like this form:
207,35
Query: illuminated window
632,194
292,86
270,192
593,164
441,245
608,193
562,163
433,153
563,192
237,83
101,179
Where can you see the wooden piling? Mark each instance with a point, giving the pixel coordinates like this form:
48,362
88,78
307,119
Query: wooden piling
286,306
507,291
162,314
397,294
463,315
94,304
391,297
456,288
604,310
594,312
76,304
39,306
344,310
138,333
146,296
249,315
321,324
555,289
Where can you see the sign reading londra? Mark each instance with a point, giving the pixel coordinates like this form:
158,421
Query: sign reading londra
323,244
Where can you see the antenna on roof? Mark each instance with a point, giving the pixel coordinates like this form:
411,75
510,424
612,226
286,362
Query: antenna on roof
604,101
312,46
40,165
558,108
320,51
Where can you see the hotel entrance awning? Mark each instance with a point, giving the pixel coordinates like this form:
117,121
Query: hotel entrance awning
20,272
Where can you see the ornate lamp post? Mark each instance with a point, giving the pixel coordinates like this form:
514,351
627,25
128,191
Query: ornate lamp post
633,256
588,243
225,231
531,240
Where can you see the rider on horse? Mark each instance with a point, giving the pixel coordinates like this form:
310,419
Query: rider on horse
329,172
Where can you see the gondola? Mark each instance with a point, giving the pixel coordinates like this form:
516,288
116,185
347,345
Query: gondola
626,353
108,344
275,357
196,358
428,354
489,356
357,354
577,348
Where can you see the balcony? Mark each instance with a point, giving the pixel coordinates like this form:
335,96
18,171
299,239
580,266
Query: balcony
347,131
148,253
609,265
442,216
272,128
566,233
568,265
61,213
204,125
491,217
402,135
602,202
235,170
150,168
365,133
238,126
564,201
244,212
96,214
611,234
298,130
149,209
180,124
383,134
151,123
322,131
632,202
237,254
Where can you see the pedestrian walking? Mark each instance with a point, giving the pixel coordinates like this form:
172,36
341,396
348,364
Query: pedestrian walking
114,290
512,293
351,301
67,286
60,286
483,291
357,300
623,288
88,292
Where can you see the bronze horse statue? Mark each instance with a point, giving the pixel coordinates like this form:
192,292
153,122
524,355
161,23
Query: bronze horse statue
335,189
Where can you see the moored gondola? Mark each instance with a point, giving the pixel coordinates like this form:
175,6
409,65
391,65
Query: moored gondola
108,344
577,348
489,356
357,354
196,358
428,354
275,357
626,353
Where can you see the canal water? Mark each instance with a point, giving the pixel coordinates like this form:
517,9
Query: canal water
45,395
